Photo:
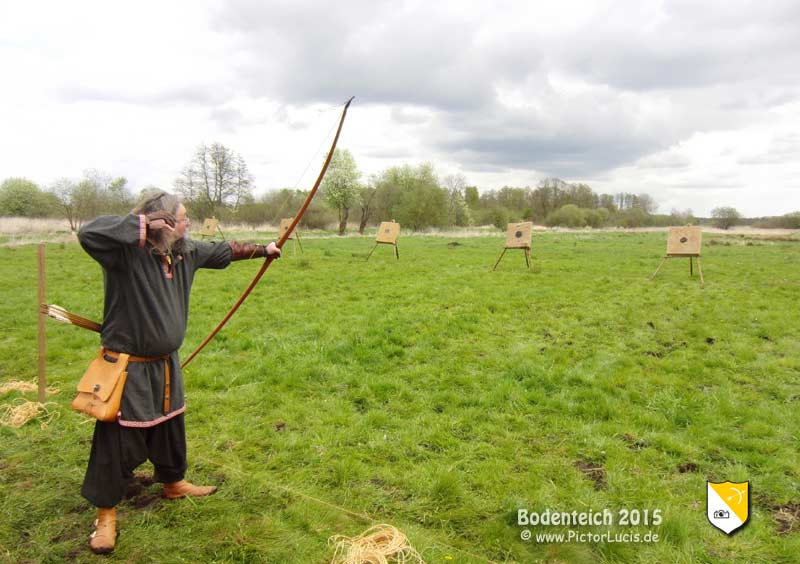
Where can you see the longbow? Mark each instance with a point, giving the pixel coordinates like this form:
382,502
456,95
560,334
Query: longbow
279,244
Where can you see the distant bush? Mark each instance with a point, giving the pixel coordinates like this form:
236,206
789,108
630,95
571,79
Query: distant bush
20,197
788,221
571,215
726,217
567,216
497,216
631,217
596,217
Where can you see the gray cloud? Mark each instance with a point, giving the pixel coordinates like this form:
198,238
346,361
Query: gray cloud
380,51
736,43
701,69
436,58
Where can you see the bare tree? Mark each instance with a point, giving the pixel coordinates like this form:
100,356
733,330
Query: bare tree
215,178
458,212
94,194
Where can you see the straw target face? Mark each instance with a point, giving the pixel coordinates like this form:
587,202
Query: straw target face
518,235
284,227
209,228
684,241
388,232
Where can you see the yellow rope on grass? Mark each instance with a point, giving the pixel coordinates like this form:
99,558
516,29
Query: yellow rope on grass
338,538
20,386
17,416
380,544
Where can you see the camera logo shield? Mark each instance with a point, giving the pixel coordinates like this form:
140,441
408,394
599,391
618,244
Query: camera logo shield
728,505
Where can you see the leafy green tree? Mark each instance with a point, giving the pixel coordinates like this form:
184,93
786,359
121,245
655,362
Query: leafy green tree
120,200
472,197
725,217
423,205
607,201
366,201
393,182
340,186
412,196
22,198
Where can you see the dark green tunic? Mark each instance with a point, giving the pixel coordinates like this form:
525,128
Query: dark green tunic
146,308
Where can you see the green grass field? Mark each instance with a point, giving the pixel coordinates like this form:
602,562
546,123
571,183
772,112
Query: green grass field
440,397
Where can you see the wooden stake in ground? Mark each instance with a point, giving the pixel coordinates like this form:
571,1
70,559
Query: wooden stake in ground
293,236
684,242
42,336
518,236
387,235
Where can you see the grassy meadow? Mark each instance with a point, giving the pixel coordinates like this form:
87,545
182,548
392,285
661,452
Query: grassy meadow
440,397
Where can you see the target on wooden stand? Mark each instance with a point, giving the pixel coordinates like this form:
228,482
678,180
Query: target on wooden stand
684,242
518,236
388,232
286,222
210,228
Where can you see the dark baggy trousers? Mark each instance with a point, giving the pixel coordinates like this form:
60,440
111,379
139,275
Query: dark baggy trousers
117,451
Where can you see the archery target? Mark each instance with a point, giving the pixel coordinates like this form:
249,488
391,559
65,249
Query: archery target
518,235
284,227
209,228
684,241
388,232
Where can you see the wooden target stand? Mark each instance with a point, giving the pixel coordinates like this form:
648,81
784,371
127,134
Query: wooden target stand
286,222
518,236
684,242
388,232
210,228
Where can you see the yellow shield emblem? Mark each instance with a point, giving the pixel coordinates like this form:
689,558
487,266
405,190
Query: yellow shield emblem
728,505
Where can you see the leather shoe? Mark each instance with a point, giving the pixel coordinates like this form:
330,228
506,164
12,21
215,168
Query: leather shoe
104,537
177,490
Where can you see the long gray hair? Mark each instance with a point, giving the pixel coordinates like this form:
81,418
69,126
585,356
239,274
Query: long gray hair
154,201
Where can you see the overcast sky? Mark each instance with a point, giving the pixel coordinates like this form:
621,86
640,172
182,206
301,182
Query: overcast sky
694,103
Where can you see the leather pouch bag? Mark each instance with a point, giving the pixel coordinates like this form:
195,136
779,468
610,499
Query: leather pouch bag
100,388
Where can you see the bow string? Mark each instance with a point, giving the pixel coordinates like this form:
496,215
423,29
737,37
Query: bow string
268,260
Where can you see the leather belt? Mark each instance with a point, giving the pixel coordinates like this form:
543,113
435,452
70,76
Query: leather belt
165,358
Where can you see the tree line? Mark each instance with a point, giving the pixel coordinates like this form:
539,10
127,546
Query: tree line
217,182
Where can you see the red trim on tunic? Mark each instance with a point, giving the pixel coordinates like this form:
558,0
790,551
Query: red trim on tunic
142,230
142,424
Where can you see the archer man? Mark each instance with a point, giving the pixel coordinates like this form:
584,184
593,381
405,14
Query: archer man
148,267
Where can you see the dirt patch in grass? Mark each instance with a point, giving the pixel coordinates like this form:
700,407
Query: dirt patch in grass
634,443
142,501
138,495
594,472
787,517
685,467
